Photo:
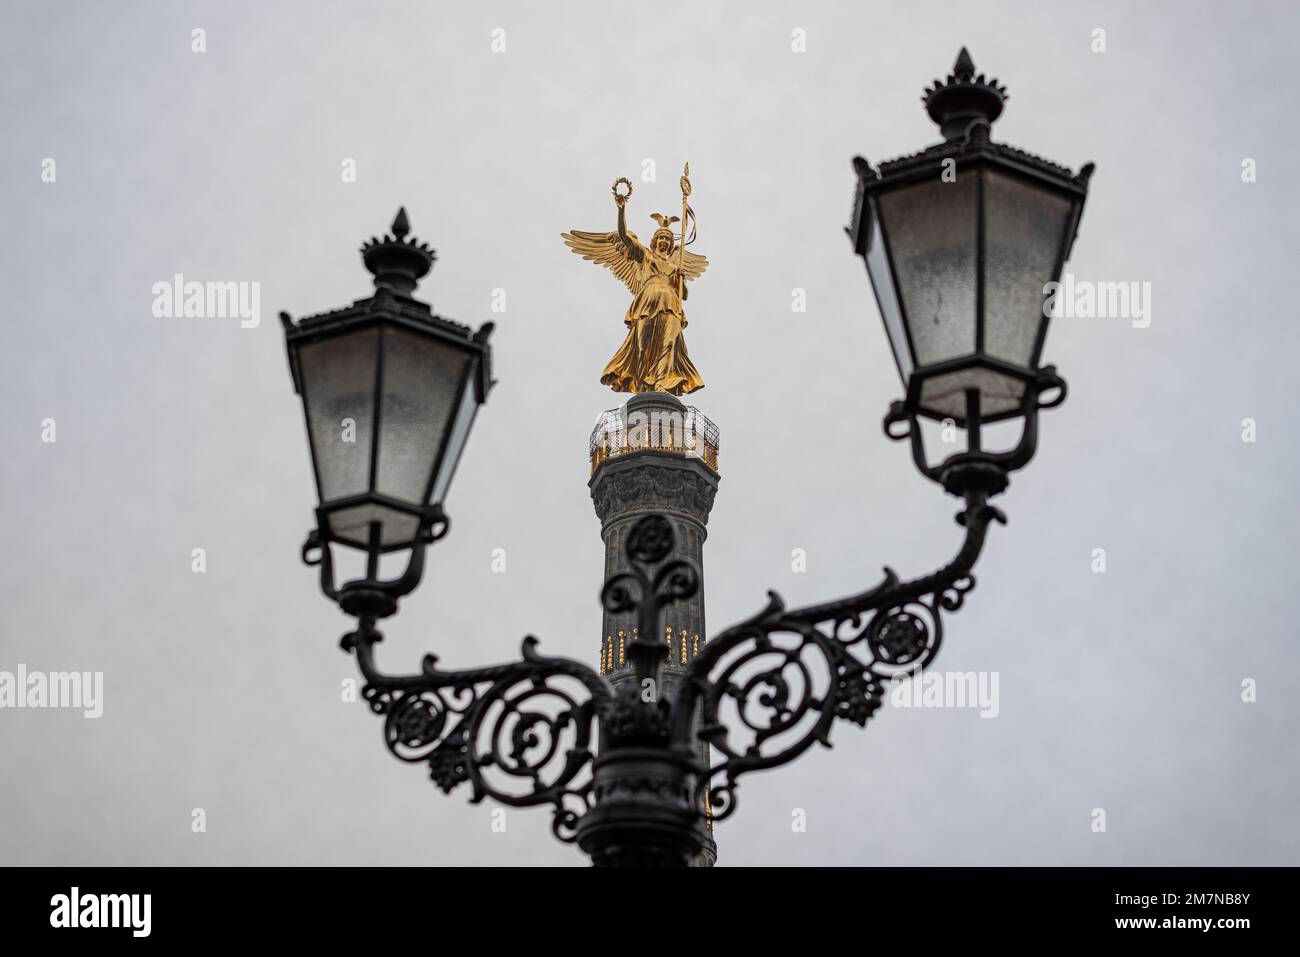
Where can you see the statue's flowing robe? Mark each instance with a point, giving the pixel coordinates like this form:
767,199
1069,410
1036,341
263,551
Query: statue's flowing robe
653,356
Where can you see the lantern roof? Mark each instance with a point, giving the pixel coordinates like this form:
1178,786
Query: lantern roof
397,264
385,303
1002,151
965,105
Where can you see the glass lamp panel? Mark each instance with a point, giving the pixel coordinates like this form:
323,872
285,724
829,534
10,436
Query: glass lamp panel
338,386
930,228
352,525
455,443
423,379
944,396
1024,227
882,281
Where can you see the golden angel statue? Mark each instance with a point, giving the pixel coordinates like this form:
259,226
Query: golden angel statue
653,356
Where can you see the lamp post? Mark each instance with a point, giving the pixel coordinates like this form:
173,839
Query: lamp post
959,241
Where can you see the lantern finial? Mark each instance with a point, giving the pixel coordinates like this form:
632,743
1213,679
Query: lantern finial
964,68
398,263
964,98
402,225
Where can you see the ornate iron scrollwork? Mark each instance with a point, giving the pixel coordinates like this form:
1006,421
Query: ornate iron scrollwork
519,733
647,592
524,733
785,675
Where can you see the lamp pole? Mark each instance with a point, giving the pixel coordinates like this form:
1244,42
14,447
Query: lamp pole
960,242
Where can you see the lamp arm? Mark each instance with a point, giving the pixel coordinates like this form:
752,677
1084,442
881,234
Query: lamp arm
788,674
520,733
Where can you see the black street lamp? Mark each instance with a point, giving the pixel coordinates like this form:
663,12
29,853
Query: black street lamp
959,241
389,391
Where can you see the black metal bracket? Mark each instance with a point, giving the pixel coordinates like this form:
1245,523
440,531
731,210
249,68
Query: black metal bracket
372,596
977,469
787,674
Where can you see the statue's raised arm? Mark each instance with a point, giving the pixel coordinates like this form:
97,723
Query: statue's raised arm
620,251
635,249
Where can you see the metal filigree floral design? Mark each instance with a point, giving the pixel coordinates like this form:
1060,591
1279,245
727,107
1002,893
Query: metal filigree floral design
521,734
646,590
449,762
898,638
651,540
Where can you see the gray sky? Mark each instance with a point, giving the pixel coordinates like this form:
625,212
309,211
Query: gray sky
1119,691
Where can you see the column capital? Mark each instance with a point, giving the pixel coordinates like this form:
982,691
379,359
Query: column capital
653,481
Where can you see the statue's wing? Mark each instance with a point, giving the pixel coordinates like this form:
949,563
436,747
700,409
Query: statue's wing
693,265
609,251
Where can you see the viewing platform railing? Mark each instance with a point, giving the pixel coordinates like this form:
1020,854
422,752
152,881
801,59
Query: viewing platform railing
687,431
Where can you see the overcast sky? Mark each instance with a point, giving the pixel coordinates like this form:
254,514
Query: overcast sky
1119,690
